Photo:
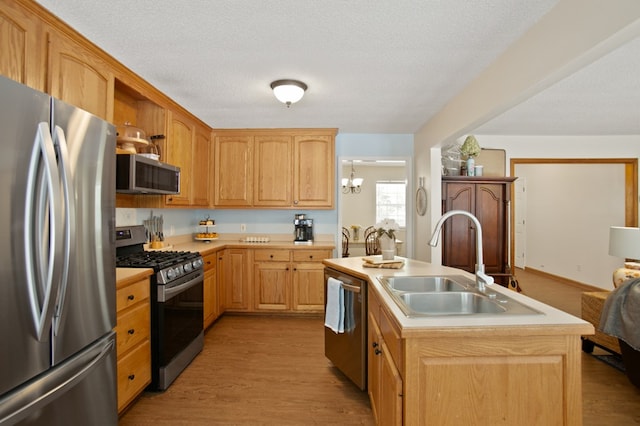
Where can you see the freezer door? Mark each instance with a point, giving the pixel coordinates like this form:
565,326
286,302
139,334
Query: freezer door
86,306
79,391
22,354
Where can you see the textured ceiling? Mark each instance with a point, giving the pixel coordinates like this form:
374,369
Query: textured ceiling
383,66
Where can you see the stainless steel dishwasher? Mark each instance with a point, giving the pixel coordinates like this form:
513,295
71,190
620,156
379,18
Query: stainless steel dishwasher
347,351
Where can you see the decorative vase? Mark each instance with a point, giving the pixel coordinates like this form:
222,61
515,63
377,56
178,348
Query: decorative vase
387,247
471,166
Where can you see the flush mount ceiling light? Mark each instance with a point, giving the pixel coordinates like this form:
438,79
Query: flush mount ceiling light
288,91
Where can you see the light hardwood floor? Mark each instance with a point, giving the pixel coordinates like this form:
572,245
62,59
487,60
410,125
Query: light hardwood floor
272,371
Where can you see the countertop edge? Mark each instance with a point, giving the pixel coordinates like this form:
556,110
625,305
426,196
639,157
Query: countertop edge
551,322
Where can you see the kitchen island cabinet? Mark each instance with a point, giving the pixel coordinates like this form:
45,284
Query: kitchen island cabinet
456,369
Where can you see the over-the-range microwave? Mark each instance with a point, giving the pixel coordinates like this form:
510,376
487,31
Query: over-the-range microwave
136,174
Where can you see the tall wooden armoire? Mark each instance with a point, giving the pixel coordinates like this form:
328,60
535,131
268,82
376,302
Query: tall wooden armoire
488,199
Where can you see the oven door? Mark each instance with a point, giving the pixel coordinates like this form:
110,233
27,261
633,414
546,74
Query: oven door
178,323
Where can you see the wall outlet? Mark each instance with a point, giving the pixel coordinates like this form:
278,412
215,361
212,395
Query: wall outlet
243,227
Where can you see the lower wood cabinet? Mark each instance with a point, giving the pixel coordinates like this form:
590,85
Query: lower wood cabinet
384,379
234,278
457,375
133,348
289,280
211,295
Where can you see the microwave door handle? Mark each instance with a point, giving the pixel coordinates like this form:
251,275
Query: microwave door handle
60,143
42,211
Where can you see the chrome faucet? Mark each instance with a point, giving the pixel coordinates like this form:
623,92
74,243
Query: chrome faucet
482,279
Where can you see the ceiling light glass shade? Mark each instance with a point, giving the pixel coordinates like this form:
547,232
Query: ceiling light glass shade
352,184
288,91
624,242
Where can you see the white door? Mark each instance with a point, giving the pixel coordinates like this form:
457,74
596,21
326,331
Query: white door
520,208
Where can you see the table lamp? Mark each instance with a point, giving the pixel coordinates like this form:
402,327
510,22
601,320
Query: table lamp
625,243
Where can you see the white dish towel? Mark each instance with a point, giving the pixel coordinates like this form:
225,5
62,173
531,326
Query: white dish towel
334,313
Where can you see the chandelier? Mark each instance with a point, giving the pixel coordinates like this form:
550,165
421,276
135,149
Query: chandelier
353,184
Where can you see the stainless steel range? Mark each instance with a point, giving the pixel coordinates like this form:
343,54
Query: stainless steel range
176,303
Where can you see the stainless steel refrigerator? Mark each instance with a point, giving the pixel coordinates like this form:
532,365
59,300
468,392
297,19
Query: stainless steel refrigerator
57,262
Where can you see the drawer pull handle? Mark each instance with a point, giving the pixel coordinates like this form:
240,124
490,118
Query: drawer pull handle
311,256
131,376
131,297
131,331
377,351
374,344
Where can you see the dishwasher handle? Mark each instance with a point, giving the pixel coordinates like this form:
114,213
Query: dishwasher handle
352,288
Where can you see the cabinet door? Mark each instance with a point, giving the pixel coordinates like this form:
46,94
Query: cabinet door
272,281
233,171
384,380
236,281
80,77
201,175
390,404
273,170
308,287
458,246
22,45
210,290
491,211
314,165
179,149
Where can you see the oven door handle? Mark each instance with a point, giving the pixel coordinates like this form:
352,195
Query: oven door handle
165,294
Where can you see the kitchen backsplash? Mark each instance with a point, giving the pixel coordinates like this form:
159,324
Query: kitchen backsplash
185,221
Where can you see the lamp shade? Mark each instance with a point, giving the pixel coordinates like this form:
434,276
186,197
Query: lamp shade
624,242
288,91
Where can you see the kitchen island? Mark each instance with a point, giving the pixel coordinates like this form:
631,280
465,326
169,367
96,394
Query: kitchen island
469,369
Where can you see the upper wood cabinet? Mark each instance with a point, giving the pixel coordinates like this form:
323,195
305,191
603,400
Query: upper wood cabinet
80,77
275,168
233,170
22,46
314,172
179,149
201,176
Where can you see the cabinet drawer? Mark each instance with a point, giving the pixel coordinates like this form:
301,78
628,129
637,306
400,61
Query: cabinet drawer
210,261
134,373
132,294
271,255
132,327
310,255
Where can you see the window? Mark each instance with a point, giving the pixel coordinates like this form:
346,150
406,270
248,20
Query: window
391,201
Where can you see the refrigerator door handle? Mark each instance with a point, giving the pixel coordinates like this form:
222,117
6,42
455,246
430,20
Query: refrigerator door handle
43,214
60,143
19,403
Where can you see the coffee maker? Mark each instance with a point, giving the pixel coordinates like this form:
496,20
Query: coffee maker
303,229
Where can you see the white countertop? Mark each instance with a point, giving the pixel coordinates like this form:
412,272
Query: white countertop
549,321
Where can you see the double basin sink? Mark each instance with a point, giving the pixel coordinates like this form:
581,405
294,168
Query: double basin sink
421,296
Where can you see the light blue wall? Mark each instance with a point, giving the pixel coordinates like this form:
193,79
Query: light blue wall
184,221
374,145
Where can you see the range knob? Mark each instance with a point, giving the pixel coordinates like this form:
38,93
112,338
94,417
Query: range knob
188,267
197,263
171,274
